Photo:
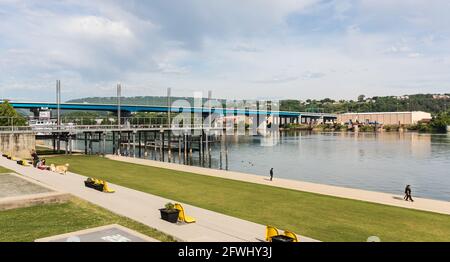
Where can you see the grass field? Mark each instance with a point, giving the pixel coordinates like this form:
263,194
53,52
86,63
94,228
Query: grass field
41,150
30,223
4,170
322,217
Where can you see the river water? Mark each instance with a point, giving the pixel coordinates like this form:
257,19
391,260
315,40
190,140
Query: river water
384,162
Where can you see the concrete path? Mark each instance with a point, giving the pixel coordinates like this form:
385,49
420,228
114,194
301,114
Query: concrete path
432,205
143,207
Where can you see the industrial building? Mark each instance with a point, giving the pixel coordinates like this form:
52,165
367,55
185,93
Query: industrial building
385,118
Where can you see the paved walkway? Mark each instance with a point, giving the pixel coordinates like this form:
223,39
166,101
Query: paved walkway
358,194
143,207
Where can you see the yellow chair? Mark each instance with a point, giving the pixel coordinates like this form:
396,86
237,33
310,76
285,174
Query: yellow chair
291,235
182,216
23,162
271,231
106,188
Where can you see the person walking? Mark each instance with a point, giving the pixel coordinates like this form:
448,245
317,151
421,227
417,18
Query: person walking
408,193
271,174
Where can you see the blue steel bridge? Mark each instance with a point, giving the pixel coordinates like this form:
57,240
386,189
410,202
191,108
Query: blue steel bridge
292,116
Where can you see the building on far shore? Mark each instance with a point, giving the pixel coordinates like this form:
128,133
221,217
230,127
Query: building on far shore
385,118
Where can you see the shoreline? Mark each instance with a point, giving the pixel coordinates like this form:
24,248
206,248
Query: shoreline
423,204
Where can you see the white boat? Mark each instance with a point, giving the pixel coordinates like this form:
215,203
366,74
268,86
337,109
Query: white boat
43,127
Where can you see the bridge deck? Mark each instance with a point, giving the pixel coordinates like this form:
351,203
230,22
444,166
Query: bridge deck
158,108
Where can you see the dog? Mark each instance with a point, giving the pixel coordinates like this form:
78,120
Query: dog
52,168
62,169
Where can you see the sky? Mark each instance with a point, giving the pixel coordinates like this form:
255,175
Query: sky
254,49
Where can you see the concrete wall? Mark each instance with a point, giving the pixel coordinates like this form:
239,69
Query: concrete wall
18,145
419,115
386,118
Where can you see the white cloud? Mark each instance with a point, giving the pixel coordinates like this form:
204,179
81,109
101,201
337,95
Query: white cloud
96,27
414,55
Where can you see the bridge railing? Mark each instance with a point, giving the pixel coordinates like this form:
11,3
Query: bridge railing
97,128
14,129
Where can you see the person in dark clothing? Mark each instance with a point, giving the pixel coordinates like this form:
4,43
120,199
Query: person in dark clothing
271,174
35,157
408,193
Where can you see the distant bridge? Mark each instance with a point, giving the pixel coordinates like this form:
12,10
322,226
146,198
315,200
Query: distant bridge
162,109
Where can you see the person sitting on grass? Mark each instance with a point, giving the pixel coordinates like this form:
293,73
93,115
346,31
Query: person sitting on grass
41,165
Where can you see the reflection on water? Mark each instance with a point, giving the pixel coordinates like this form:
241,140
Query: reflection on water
383,162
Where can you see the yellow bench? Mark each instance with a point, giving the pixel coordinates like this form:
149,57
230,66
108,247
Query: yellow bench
272,231
182,216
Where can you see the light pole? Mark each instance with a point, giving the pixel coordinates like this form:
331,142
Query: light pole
58,102
58,111
168,104
119,94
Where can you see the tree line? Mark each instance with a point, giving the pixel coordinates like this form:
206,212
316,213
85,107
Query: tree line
419,102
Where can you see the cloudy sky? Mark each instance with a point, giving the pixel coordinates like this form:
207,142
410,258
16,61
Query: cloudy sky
238,49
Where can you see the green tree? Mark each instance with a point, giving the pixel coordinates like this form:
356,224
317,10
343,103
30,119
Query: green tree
81,117
361,98
9,116
440,122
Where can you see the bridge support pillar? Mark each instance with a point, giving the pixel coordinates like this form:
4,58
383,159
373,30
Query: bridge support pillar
69,143
113,142
200,149
179,149
134,144
226,150
161,145
90,144
190,148
53,143
85,144
104,143
185,147
207,145
58,142
66,145
139,144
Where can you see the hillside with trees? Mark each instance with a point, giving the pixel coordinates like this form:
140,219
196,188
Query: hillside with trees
433,103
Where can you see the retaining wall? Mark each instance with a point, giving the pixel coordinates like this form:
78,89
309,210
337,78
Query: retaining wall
18,145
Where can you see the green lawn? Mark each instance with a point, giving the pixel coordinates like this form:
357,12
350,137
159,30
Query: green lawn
41,151
30,223
322,217
4,170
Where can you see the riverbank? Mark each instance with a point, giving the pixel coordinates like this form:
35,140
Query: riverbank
318,216
421,128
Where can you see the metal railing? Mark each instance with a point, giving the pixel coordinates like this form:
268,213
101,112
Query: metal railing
99,128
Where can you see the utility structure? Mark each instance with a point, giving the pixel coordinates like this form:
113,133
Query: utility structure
119,122
58,111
